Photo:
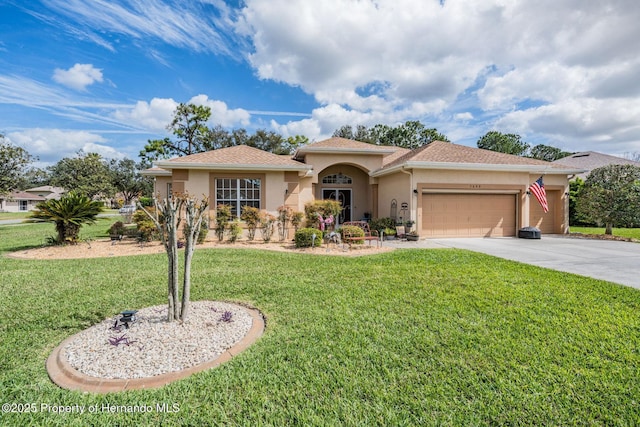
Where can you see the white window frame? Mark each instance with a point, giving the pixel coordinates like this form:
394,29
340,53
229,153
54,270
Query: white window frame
238,192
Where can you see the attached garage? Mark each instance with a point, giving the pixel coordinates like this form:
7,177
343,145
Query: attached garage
468,215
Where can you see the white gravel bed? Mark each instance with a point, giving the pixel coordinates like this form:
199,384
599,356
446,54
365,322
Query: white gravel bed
152,346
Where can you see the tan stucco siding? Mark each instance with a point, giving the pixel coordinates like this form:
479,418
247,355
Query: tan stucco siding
394,187
198,183
160,186
305,192
321,162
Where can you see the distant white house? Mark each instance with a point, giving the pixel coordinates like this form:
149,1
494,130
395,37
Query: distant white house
47,191
22,201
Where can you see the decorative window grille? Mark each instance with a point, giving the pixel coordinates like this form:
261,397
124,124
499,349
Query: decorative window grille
237,193
337,178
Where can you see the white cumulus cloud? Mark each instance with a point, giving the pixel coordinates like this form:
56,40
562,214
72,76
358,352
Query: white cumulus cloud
78,77
511,63
50,145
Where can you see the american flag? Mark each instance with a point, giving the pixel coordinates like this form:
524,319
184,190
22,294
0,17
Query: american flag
537,188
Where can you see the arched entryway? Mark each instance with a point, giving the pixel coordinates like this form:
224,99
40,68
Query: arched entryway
350,186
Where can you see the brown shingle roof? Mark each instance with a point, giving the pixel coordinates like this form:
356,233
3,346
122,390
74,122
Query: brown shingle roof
21,195
591,160
339,145
447,152
239,156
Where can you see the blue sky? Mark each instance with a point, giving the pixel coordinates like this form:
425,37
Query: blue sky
106,75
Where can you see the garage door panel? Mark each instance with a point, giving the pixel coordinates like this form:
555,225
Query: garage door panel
469,215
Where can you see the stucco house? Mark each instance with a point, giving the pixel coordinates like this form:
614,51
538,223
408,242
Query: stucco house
20,201
448,190
47,191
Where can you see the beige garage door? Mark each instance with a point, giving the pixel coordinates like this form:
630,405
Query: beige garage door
468,215
544,221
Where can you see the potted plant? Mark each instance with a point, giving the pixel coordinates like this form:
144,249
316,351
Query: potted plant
412,236
389,233
409,224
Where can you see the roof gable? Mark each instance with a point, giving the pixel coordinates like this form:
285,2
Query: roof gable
440,154
591,160
339,145
22,195
236,157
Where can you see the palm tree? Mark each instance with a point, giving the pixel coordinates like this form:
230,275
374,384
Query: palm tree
68,213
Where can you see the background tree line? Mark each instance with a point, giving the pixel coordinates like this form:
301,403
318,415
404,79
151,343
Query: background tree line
88,174
192,135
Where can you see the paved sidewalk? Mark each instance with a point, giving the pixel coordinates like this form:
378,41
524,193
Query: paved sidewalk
615,261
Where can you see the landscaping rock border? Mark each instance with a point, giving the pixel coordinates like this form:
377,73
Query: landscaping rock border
66,362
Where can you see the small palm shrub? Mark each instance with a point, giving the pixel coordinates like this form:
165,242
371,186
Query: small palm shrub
304,237
69,214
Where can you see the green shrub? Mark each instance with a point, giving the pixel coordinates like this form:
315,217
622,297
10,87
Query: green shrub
267,222
285,214
235,230
146,201
204,230
352,231
251,217
147,229
223,216
379,224
117,229
321,207
296,220
304,237
389,231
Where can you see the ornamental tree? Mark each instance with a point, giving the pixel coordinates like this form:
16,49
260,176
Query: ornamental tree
168,218
611,196
13,163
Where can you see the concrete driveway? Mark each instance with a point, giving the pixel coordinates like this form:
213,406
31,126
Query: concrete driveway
617,262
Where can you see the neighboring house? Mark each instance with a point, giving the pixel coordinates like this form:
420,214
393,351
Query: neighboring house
20,201
47,191
448,190
590,160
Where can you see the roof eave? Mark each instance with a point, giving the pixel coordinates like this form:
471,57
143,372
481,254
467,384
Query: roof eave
234,166
541,169
333,150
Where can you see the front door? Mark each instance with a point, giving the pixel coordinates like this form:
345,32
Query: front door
344,197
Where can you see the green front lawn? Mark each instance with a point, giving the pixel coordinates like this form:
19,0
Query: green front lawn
410,337
624,232
13,215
